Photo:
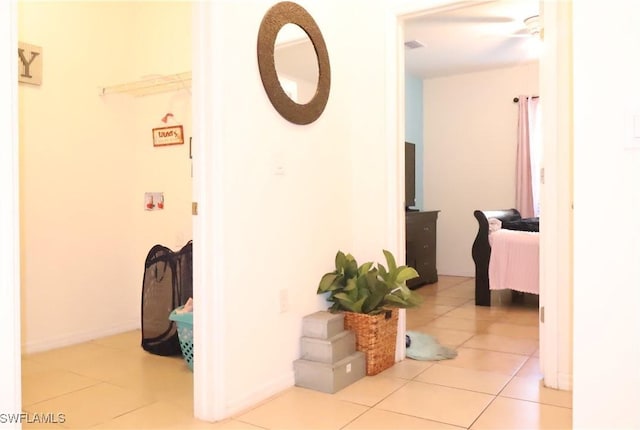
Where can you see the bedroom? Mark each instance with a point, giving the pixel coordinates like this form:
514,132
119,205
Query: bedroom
460,106
470,153
471,146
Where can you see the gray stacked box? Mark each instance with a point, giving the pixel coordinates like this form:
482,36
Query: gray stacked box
329,360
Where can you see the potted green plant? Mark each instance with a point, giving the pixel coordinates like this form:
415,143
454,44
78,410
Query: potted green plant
369,295
368,288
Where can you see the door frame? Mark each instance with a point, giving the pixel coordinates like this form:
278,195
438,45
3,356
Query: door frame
10,332
556,248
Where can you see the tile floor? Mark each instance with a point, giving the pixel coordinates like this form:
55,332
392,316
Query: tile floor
493,383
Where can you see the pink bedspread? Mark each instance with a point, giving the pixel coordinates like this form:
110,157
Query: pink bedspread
514,262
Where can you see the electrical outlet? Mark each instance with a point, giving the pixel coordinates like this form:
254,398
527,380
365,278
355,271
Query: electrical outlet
284,300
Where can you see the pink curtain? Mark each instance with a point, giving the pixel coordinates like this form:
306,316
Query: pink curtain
524,192
535,151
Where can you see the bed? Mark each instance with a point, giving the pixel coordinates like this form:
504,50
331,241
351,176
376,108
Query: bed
515,245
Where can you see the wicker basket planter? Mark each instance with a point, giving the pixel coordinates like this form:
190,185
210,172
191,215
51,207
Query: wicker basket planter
369,295
376,337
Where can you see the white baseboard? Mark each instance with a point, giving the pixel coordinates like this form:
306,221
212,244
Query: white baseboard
32,346
254,397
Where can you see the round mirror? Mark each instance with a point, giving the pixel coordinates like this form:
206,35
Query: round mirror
296,64
297,111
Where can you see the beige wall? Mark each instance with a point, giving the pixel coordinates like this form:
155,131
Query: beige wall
470,125
87,160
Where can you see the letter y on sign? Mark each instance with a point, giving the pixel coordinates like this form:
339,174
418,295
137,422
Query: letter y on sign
29,64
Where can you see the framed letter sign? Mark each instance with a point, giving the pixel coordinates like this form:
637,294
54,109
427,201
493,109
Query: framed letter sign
164,136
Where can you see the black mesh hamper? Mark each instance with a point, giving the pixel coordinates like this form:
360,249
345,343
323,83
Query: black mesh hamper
167,284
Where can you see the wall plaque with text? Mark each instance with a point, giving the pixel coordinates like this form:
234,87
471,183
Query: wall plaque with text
29,64
168,136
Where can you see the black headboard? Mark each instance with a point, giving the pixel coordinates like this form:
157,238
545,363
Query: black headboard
481,250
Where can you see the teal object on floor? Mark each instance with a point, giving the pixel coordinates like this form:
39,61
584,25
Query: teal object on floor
184,322
421,346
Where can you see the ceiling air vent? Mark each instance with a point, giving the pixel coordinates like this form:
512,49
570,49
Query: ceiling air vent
413,44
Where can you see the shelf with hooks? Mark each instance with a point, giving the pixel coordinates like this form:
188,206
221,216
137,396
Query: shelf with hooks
151,85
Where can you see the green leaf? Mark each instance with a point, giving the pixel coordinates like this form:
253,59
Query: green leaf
394,300
391,261
343,297
349,304
341,260
351,268
361,282
391,277
352,293
365,268
381,287
371,279
405,273
404,298
382,271
374,300
326,282
402,291
415,299
346,305
357,306
351,284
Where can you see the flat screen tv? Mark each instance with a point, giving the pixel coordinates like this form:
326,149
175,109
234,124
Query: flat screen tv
409,175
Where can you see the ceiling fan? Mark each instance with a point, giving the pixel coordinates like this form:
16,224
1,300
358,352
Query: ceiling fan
514,18
529,27
532,27
477,35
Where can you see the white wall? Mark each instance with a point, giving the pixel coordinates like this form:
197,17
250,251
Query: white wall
606,178
87,160
470,125
280,232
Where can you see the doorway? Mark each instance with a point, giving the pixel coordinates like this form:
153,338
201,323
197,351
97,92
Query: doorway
555,266
90,160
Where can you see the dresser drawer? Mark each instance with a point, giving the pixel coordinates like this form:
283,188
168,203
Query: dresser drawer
421,238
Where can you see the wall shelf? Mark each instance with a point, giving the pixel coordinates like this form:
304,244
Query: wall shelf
151,85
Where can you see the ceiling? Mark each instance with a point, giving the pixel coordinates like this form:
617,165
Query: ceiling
472,36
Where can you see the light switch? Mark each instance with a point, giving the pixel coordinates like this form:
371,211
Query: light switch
633,142
278,163
636,126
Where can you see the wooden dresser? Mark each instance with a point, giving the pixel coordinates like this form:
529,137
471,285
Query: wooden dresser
421,246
